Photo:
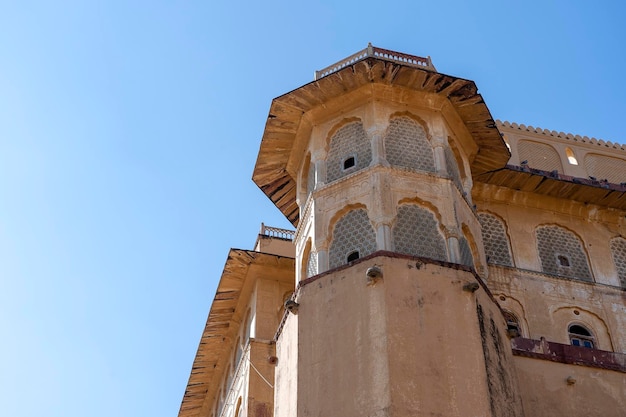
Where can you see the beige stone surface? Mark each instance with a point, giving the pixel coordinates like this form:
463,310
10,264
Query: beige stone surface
416,346
545,390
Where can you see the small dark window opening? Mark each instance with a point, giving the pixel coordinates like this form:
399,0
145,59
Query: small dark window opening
512,325
353,256
563,260
349,162
579,336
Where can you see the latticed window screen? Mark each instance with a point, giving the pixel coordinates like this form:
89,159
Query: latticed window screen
466,252
453,168
539,155
350,141
618,252
352,233
407,146
416,233
497,247
562,253
606,168
311,264
310,183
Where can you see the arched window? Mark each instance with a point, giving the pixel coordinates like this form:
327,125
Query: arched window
453,166
495,239
349,151
466,252
580,336
416,232
512,324
353,237
607,168
562,253
618,252
539,156
310,173
311,264
407,145
571,158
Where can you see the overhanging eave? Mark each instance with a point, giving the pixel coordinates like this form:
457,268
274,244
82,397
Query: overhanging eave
272,174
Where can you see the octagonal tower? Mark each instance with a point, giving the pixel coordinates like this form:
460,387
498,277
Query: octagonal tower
373,163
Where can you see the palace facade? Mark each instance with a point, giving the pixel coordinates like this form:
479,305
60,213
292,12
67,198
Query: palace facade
442,263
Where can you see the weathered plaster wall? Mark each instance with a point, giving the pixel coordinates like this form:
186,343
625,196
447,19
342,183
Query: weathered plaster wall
545,391
286,387
411,343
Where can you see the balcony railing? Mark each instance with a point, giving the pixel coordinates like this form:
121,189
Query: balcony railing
374,52
576,355
270,231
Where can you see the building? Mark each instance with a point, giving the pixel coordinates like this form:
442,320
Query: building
443,263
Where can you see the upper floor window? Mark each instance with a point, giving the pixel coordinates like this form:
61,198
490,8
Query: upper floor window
562,253
580,336
495,240
407,145
349,150
618,252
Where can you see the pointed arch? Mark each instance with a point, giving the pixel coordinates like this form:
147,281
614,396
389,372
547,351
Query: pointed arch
349,149
416,232
407,143
495,239
309,261
352,237
562,253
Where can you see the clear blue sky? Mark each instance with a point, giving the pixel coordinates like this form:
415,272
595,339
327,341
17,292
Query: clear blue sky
128,135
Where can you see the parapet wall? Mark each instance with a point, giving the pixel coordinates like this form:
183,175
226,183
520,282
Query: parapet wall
574,155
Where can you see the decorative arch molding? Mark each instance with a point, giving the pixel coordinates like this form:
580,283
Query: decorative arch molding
427,204
340,213
413,117
309,265
336,127
514,306
565,316
561,252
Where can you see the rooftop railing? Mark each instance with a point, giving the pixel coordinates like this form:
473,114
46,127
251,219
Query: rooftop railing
270,231
380,53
